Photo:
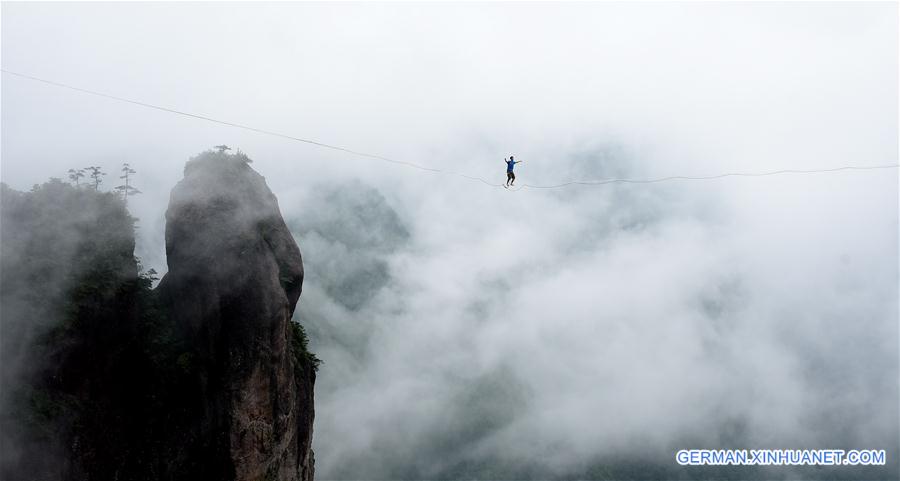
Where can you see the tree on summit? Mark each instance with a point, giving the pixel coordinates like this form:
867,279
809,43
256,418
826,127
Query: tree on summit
76,175
127,189
96,176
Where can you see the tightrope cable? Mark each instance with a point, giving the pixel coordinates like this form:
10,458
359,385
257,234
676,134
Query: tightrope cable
441,171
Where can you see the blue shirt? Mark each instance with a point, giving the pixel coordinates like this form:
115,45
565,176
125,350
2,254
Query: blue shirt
510,164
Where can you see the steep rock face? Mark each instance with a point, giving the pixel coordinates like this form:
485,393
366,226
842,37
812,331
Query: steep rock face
235,275
71,352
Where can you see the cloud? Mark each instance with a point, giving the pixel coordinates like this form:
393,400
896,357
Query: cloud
615,322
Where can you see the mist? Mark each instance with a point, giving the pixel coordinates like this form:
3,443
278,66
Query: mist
466,329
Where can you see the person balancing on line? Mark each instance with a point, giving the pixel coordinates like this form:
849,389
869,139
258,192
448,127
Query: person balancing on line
510,177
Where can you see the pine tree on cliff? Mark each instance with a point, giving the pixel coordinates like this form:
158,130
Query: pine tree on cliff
96,176
127,189
76,175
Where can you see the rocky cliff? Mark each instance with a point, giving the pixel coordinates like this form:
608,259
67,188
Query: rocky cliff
205,377
235,274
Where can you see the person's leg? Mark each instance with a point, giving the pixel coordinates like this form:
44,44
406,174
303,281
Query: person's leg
512,178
